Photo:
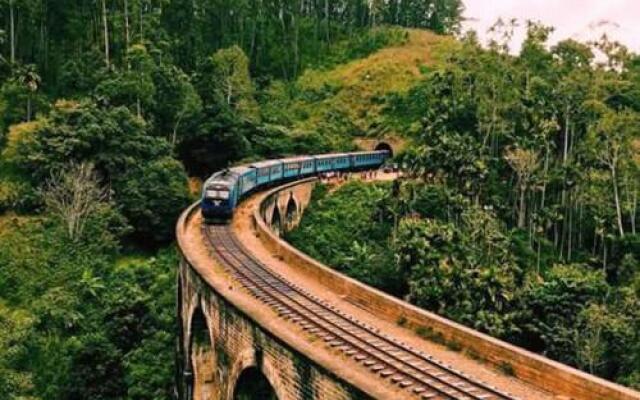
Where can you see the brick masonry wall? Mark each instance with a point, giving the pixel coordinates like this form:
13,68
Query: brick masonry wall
529,367
237,343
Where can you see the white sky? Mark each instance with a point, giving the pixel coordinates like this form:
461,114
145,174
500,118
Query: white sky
578,19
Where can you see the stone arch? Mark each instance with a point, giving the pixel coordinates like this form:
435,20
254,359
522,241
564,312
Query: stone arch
384,146
291,214
201,357
276,220
251,367
252,384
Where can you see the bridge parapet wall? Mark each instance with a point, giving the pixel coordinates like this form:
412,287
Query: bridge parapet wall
527,366
221,336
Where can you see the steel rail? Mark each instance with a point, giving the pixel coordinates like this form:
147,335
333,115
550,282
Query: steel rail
393,359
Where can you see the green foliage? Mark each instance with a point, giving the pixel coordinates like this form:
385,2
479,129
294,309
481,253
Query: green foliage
112,138
96,328
152,196
132,87
524,168
555,305
225,80
467,273
448,255
341,230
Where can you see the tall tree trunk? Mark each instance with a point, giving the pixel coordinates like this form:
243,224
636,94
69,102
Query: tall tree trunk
105,32
326,19
285,40
617,199
174,136
522,211
126,24
140,22
604,254
565,150
632,196
570,233
563,202
634,209
12,32
29,108
296,52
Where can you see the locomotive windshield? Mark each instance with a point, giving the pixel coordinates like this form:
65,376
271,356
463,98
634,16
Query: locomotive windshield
217,193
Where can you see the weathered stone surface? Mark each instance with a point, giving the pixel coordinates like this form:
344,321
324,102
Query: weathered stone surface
210,370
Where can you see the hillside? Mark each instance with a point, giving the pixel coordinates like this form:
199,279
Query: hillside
350,98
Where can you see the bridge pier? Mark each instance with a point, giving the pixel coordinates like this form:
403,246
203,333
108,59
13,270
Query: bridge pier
223,352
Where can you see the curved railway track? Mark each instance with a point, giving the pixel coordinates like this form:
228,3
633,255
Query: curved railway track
386,357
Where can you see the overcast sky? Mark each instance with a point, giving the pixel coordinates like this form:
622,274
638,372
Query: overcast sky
578,19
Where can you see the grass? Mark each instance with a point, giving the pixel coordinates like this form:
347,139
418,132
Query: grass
360,84
352,95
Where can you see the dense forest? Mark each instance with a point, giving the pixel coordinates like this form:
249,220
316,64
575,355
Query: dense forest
111,111
519,209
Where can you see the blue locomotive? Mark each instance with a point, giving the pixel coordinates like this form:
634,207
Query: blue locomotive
225,189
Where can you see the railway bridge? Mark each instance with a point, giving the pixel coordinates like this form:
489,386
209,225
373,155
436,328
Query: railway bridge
260,320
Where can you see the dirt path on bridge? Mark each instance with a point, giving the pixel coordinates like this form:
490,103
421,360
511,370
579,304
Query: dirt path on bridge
243,227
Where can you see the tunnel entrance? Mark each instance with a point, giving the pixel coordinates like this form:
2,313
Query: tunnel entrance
201,356
384,146
253,385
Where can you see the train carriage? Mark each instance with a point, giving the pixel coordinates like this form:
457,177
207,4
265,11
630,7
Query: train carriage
332,162
308,166
342,161
368,159
268,171
222,192
248,179
296,167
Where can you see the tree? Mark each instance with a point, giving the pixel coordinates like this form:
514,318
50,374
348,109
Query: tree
177,101
73,195
554,305
610,139
590,340
466,273
524,162
110,138
226,77
132,87
20,95
15,326
152,196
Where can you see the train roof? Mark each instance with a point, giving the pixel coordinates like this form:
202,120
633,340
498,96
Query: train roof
369,152
226,176
266,163
298,158
241,170
331,155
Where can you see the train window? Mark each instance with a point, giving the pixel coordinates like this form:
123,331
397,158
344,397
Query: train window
217,194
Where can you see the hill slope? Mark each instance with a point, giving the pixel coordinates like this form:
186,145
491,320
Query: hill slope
349,98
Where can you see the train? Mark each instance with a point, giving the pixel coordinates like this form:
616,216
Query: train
224,190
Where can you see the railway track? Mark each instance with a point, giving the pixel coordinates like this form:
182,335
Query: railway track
387,358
